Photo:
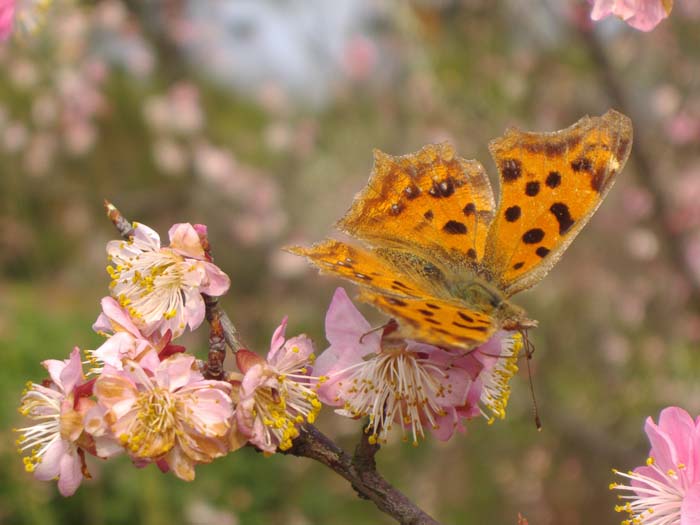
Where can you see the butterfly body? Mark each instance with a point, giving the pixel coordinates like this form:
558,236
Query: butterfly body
431,249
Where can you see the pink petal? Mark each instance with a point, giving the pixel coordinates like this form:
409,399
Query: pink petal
113,313
345,324
145,238
72,373
181,465
184,240
175,372
647,15
345,327
70,475
663,449
690,508
293,353
446,425
217,282
194,309
116,393
601,8
277,339
7,15
680,428
50,464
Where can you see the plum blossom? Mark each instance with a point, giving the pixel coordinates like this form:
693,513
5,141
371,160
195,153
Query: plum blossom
172,416
491,366
159,286
125,341
276,394
56,441
644,15
412,384
667,489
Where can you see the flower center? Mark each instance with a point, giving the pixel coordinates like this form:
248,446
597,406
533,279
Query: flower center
153,430
150,284
396,385
286,405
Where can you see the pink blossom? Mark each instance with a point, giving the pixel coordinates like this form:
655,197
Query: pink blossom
667,489
125,341
161,287
54,442
413,384
644,15
7,15
276,395
171,416
491,366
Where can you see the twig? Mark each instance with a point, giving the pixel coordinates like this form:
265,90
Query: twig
364,478
360,470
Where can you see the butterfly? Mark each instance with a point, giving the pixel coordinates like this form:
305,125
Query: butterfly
432,249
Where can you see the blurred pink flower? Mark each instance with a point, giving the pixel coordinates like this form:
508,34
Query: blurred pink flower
276,395
58,409
667,489
172,415
413,384
161,287
7,15
644,15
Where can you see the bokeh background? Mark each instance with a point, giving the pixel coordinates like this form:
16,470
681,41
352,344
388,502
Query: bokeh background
258,118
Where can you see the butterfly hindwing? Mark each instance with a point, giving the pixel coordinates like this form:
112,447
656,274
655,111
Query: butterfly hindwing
442,323
432,202
551,183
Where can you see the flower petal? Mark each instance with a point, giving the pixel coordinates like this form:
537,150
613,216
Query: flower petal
690,508
184,240
70,475
680,428
217,282
50,465
663,449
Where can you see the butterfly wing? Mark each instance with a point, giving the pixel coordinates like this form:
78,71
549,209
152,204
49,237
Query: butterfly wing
551,183
361,266
431,203
405,287
437,321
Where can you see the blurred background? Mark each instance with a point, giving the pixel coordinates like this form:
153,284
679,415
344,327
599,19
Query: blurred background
258,118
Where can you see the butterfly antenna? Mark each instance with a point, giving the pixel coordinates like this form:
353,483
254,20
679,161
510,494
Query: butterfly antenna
390,326
529,351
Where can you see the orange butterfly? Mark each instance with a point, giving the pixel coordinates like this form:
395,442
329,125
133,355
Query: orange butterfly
437,254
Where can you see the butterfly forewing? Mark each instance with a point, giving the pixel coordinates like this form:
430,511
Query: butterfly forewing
431,202
551,183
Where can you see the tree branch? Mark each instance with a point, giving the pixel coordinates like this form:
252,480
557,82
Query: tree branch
363,476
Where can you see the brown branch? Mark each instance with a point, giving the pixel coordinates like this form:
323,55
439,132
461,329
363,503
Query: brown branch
641,156
364,478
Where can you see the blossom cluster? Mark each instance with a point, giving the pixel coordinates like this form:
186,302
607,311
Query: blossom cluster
142,395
